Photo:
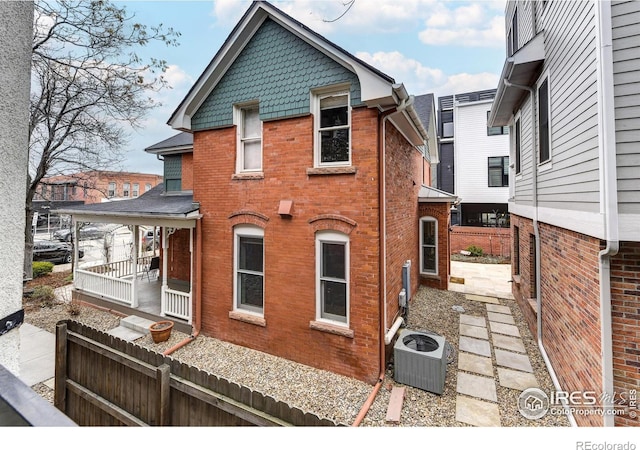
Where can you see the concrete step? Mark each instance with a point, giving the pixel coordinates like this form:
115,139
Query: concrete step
125,333
136,323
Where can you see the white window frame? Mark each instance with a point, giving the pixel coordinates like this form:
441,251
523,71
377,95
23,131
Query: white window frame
135,191
516,119
126,190
238,120
250,231
332,237
112,192
316,97
423,220
147,187
546,164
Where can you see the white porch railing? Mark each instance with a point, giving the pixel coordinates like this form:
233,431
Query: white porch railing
176,303
104,285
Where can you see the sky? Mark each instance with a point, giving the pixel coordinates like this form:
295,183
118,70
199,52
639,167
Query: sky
432,46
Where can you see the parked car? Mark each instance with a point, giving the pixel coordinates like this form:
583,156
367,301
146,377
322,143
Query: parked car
88,232
53,251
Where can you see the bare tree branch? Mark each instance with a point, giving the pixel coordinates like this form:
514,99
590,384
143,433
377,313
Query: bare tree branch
348,4
89,85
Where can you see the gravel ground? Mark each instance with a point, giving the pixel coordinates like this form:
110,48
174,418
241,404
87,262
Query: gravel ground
326,394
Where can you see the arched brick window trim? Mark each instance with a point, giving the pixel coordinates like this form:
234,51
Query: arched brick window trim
335,222
248,217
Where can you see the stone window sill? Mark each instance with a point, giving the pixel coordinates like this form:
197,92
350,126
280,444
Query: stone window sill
333,329
248,176
345,170
248,318
430,276
533,304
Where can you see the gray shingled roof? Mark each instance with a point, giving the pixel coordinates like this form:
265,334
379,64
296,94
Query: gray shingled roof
182,139
423,105
152,203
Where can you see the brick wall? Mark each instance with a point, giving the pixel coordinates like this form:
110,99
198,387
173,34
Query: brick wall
348,202
625,311
179,256
439,211
493,241
570,304
187,171
404,173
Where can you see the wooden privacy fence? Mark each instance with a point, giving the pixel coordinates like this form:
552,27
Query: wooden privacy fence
101,380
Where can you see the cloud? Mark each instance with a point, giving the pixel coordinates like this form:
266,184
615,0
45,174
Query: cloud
326,17
420,79
154,127
474,25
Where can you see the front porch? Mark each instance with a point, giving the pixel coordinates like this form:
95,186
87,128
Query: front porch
145,292
151,304
148,274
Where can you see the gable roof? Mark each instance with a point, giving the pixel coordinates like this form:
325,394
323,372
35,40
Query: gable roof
424,107
377,88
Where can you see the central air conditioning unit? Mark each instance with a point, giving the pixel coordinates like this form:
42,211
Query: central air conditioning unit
420,360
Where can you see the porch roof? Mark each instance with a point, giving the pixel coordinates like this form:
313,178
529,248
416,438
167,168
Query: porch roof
152,206
430,194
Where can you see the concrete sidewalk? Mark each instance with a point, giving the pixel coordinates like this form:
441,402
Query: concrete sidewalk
37,355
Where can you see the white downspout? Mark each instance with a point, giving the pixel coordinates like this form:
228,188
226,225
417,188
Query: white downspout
536,231
608,197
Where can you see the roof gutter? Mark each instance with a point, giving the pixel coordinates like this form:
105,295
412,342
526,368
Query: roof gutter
186,216
406,105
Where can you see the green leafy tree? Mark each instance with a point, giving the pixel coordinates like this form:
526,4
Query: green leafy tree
89,88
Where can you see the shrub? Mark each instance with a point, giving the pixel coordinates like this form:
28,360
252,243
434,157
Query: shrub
475,250
41,268
43,294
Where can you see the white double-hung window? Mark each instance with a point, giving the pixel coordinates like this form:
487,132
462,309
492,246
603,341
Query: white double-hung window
332,113
247,119
332,277
428,245
249,268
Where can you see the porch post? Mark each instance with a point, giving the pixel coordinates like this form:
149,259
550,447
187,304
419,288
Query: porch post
76,246
190,273
165,250
134,268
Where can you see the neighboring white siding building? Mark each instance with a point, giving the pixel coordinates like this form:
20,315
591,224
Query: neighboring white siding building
475,160
569,91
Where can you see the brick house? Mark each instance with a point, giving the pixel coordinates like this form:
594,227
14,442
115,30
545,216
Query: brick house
295,198
568,91
95,186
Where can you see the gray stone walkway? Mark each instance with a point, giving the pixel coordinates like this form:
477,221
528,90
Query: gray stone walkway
476,403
